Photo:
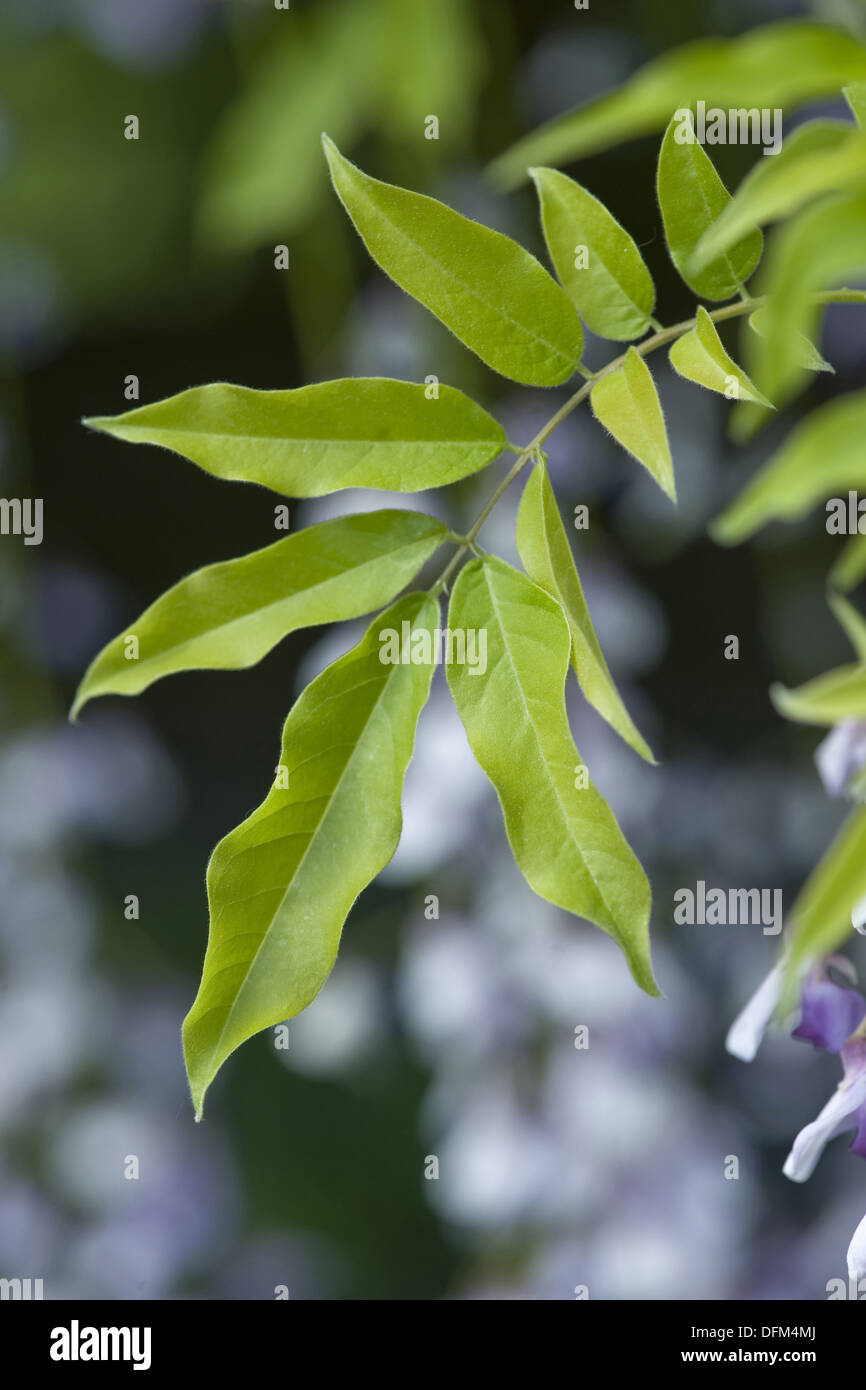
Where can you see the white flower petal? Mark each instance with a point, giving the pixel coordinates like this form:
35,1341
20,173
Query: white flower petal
857,1255
747,1030
841,754
838,1115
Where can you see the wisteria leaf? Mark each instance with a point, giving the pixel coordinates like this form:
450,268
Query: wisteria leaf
821,917
850,567
808,355
433,58
822,454
263,176
281,885
692,197
773,65
821,246
852,622
613,290
626,402
492,294
365,432
700,356
817,158
826,700
855,95
565,838
546,556
228,616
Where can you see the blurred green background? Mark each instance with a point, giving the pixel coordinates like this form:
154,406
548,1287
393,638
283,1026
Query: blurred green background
449,1037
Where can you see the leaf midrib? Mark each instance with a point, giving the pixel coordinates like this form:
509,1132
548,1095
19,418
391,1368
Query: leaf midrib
547,533
285,598
617,283
724,257
297,869
494,309
614,922
302,440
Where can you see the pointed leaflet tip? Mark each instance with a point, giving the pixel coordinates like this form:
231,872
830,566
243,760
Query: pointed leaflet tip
311,841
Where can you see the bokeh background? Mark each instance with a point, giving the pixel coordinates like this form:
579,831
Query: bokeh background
453,1037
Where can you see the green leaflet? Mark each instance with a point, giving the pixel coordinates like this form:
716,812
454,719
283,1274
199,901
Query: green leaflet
699,356
281,885
850,567
546,556
820,157
691,197
821,246
433,57
825,452
627,403
263,171
492,294
838,694
855,95
369,432
808,355
821,915
565,839
774,65
614,291
852,622
229,615
345,67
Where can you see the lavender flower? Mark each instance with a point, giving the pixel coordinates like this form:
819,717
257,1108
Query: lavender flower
830,1012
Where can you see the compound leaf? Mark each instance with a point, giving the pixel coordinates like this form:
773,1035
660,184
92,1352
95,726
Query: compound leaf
546,556
228,616
492,294
565,838
365,432
281,885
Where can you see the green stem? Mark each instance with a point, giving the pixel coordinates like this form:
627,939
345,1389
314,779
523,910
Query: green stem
664,335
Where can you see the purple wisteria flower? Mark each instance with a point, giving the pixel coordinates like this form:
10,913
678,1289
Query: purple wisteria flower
829,1012
833,1017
